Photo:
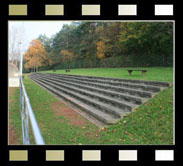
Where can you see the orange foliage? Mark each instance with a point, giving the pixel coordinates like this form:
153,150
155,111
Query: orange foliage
35,55
100,50
66,55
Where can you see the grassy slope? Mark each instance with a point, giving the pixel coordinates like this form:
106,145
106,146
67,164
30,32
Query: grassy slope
151,123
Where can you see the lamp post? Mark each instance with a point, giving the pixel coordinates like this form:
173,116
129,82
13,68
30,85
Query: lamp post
21,61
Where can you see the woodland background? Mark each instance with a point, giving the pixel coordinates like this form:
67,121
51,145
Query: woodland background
103,44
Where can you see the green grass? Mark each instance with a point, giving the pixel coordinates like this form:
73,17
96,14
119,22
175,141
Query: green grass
15,118
153,73
14,114
151,123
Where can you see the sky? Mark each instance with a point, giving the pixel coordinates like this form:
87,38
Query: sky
32,29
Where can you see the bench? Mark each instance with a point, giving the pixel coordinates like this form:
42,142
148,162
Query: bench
130,72
67,70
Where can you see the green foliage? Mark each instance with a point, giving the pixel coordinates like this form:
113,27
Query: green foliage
149,42
110,44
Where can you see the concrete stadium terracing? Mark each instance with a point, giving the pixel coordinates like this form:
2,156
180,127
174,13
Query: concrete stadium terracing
101,100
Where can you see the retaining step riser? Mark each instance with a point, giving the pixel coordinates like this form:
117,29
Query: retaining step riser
153,83
129,85
94,96
101,119
132,92
121,97
84,100
140,87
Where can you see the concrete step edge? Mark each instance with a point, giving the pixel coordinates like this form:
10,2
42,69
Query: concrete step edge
129,91
148,82
117,96
130,85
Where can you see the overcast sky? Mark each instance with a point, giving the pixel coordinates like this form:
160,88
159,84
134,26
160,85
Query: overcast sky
32,29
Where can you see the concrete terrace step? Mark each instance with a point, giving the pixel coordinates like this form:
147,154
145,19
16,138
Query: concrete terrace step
105,99
133,92
116,95
102,117
145,82
102,98
112,83
104,107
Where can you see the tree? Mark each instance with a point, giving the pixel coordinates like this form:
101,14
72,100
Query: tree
47,43
100,50
109,44
35,56
151,42
66,55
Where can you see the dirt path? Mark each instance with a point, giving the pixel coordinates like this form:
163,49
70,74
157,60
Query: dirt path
60,109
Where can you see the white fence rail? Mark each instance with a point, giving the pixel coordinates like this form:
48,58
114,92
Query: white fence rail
27,115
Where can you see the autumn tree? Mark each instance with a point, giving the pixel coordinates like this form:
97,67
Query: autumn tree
35,56
100,50
66,55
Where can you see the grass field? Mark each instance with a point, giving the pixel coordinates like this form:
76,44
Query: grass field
151,123
153,73
15,129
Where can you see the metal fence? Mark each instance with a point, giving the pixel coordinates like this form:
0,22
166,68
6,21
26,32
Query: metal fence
27,116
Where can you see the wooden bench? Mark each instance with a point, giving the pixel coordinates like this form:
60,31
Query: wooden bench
67,70
143,72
